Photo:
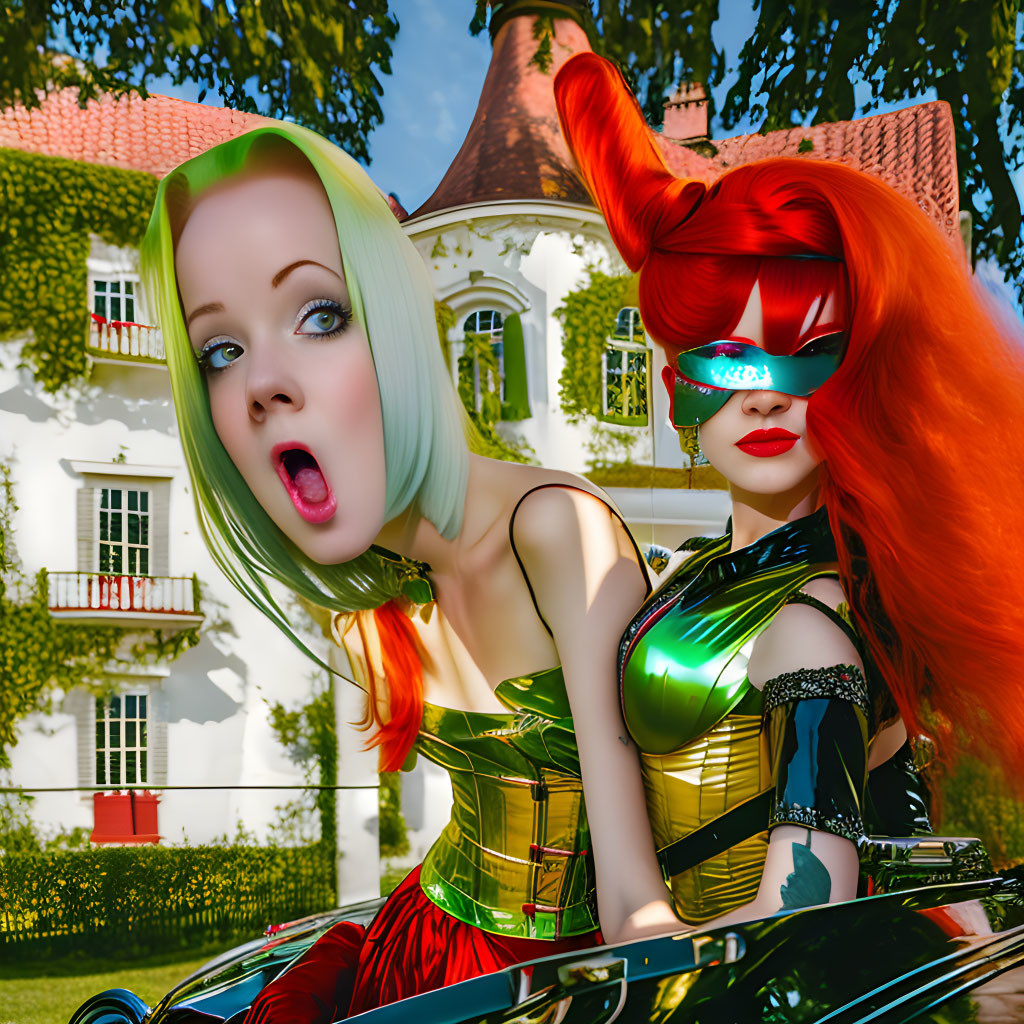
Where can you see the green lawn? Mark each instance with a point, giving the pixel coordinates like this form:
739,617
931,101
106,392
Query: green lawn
50,993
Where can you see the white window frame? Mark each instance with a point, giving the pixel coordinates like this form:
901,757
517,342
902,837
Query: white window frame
626,348
112,747
497,342
145,517
120,264
127,292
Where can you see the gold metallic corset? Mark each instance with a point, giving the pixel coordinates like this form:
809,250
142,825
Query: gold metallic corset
514,859
697,784
692,711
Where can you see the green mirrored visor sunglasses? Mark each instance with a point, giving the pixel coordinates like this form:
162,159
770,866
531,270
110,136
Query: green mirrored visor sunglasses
706,377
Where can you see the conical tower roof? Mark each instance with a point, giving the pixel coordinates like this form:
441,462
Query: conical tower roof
514,148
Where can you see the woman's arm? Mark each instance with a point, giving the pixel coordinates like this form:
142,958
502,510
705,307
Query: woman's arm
587,584
816,717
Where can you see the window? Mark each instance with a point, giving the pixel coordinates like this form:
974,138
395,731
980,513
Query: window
122,744
113,298
628,326
482,363
124,531
625,364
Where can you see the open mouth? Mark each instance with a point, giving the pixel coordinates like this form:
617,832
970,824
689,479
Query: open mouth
305,482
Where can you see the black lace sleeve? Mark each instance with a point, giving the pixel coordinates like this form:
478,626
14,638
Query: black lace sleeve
817,726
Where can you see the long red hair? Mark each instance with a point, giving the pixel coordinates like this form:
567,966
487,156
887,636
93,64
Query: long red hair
920,426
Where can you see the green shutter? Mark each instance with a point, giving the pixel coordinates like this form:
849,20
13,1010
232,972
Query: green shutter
517,399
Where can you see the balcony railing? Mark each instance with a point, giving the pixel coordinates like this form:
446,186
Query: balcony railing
106,597
124,342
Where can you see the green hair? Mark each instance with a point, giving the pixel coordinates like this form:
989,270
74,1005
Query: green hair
427,461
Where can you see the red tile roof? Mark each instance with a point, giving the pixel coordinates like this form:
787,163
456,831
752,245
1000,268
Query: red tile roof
913,150
514,148
152,135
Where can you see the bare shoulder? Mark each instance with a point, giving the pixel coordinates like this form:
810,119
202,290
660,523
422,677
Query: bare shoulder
561,510
800,637
578,559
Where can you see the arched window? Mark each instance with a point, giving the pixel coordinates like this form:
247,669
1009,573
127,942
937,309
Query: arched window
481,366
625,367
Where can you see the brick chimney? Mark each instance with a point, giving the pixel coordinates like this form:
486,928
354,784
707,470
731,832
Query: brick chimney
686,114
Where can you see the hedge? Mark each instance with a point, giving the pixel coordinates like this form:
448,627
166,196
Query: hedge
140,900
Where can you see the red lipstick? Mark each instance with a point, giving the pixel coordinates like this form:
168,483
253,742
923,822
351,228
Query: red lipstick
765,443
304,481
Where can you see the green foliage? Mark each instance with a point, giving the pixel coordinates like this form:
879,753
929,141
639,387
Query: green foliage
481,435
48,207
136,900
314,63
657,43
975,802
392,830
810,52
587,318
607,446
479,377
20,834
40,654
309,734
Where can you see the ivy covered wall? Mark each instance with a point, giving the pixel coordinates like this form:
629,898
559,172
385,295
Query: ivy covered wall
48,208
588,318
40,655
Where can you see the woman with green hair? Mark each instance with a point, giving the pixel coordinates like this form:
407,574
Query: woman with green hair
326,450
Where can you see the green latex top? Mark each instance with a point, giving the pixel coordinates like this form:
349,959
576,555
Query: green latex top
514,858
683,659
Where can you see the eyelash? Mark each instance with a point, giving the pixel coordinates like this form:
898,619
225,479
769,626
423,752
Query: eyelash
344,314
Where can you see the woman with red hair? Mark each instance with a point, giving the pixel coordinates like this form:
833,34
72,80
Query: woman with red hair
827,349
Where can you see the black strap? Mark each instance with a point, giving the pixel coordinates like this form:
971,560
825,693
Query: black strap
799,597
710,840
519,561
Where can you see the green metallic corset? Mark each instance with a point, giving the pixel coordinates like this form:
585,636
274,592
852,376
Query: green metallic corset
514,858
688,703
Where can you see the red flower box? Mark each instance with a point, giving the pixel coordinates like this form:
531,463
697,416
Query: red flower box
125,817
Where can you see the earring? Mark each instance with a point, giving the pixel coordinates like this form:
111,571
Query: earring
689,443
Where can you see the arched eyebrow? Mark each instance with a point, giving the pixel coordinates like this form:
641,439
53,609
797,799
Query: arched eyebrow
282,274
210,307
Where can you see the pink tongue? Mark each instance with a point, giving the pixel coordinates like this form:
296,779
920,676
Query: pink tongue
310,484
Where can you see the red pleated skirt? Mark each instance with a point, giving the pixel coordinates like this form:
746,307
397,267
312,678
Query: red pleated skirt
411,946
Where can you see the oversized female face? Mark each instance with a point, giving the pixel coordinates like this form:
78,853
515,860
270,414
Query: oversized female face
292,387
758,439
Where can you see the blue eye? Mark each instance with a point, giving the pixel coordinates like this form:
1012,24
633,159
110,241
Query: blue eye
323,319
219,354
